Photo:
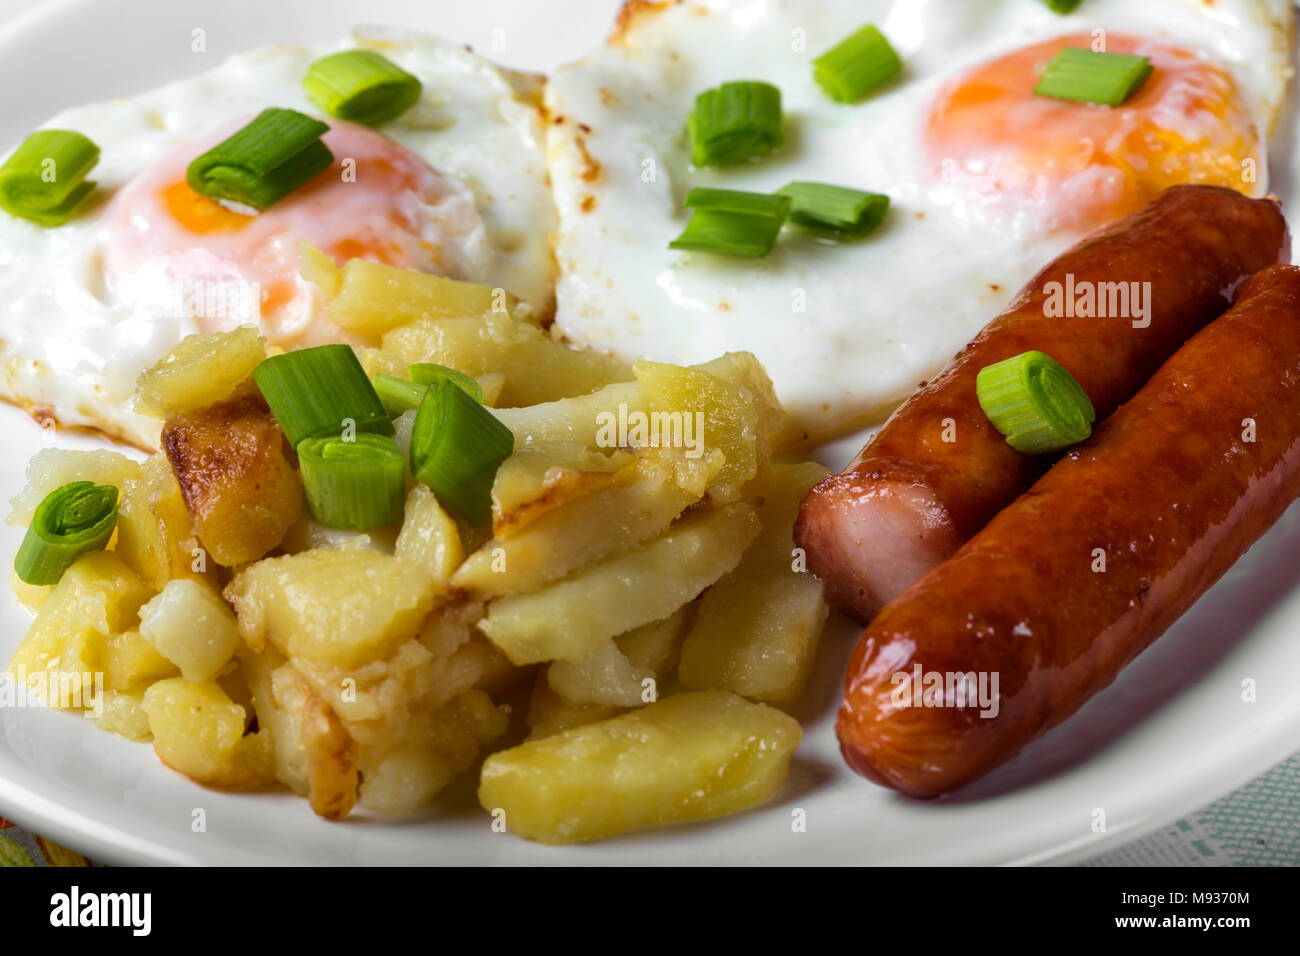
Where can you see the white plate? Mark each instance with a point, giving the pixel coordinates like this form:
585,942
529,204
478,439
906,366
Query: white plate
1171,735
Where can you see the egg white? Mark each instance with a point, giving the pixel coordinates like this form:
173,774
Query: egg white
845,330
73,344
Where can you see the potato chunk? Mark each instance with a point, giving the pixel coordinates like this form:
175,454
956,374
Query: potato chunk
684,758
758,628
239,486
154,533
570,618
625,672
131,664
429,538
335,607
52,468
189,624
199,731
97,597
200,371
537,367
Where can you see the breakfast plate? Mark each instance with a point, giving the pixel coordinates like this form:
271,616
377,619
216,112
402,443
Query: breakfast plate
1174,732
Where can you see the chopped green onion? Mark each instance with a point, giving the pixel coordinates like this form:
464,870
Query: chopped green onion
736,123
72,520
456,449
856,65
316,391
1106,78
734,200
269,158
359,483
1061,6
397,394
45,179
733,223
1035,403
362,86
845,212
426,373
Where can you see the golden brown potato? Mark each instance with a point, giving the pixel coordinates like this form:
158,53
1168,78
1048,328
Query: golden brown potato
200,371
199,731
684,758
232,463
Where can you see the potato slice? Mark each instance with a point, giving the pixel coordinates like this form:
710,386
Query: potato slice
730,419
744,370
429,539
189,624
684,758
199,731
201,371
570,618
758,628
646,497
536,367
52,468
549,713
540,477
234,472
97,597
371,298
568,421
334,607
625,672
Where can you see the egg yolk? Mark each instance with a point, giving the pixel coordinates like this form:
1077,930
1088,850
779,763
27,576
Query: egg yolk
1079,165
227,267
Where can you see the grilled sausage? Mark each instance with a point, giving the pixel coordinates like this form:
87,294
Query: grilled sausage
937,471
1084,571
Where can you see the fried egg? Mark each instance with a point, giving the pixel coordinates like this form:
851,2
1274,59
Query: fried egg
457,186
987,181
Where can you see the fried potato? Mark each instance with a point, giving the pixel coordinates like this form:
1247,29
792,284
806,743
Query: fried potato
199,731
131,664
729,417
154,533
429,539
536,367
201,371
743,370
645,498
371,298
568,421
333,607
436,748
758,628
98,596
52,468
549,713
123,714
305,535
236,478
189,624
540,477
688,757
570,618
625,672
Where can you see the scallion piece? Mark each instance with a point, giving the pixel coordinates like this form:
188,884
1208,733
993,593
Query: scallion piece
732,223
358,483
1035,403
1061,6
1106,78
44,181
426,373
73,520
836,209
736,123
397,394
456,448
361,86
316,391
269,158
856,65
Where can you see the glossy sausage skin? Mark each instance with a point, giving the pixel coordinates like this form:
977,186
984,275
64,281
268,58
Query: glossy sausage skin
937,471
1170,490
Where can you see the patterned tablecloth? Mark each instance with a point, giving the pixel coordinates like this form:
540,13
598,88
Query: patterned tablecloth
1258,825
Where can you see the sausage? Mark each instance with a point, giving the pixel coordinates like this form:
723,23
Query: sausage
938,471
1085,570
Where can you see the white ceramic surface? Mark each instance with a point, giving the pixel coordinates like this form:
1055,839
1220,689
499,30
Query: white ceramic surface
1171,735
